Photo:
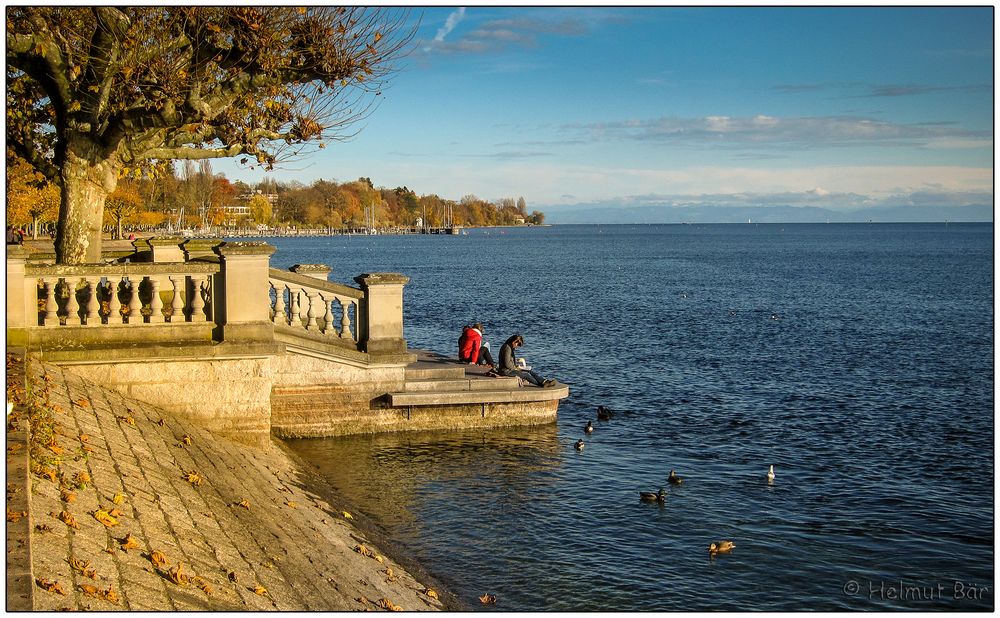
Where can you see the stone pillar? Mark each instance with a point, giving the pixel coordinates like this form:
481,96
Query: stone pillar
166,250
380,315
241,305
19,300
316,271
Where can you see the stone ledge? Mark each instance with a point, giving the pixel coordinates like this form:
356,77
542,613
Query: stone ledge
150,353
438,398
462,384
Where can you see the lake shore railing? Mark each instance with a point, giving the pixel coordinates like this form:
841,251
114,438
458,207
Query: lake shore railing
303,300
176,291
130,294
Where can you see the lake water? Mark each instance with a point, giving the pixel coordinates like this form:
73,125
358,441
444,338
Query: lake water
858,359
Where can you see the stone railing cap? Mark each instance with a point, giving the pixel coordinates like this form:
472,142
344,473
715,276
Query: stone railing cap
368,279
251,247
165,242
201,243
310,268
17,252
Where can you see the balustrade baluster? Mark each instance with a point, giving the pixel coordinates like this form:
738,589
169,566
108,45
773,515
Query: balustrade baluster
279,303
93,303
134,304
51,307
72,304
155,302
176,302
294,319
311,311
114,304
345,319
197,304
328,326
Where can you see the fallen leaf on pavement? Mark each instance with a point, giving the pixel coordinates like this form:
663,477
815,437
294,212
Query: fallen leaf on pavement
45,584
129,542
68,519
177,576
158,559
105,518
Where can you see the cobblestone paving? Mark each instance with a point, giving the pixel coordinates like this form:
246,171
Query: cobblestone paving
129,508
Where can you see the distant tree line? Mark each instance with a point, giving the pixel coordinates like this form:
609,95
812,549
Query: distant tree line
193,196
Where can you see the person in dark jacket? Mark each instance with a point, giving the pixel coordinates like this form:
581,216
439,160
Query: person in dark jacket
508,364
472,349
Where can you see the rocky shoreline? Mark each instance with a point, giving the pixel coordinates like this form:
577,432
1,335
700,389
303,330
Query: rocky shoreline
113,504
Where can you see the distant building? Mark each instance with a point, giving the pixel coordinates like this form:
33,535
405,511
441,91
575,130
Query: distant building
236,214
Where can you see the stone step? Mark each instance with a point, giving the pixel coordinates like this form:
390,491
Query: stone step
466,384
443,398
419,371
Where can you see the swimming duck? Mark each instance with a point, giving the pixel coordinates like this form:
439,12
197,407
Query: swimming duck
604,414
721,547
650,496
673,479
579,445
770,474
589,428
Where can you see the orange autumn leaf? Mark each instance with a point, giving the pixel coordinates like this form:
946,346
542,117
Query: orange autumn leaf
158,559
69,520
50,586
129,542
488,599
177,575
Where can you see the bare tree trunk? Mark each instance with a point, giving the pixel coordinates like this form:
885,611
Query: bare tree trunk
87,181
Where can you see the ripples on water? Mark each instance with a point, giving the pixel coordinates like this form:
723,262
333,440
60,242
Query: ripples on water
871,393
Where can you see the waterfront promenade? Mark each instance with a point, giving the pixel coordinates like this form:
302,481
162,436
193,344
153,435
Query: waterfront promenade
119,505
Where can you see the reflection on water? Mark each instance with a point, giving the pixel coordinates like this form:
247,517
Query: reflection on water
387,475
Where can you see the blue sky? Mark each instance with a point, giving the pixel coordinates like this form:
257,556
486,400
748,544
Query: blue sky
838,107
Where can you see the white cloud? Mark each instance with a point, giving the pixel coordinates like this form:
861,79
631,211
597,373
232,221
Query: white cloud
806,132
542,183
449,24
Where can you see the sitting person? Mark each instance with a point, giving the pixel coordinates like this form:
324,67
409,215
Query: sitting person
471,347
509,366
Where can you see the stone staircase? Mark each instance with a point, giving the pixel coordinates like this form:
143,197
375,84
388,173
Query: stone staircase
435,380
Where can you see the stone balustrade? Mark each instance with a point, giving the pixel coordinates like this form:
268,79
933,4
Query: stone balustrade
130,294
174,291
303,301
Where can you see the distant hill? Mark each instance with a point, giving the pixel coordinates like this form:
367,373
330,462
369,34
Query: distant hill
615,213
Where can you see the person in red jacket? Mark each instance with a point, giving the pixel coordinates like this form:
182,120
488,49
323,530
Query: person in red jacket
472,349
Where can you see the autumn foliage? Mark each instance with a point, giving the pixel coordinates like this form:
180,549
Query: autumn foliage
95,94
